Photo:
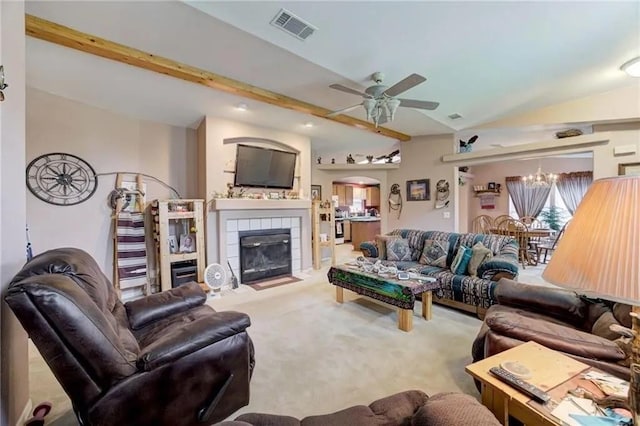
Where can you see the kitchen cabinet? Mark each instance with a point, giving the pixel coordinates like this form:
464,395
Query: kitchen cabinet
348,195
344,193
373,196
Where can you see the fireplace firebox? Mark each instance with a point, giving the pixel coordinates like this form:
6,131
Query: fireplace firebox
264,254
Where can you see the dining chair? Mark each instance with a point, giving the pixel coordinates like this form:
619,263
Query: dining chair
532,222
520,232
550,245
500,218
534,240
482,224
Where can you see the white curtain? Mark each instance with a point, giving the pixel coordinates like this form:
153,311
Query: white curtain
572,187
527,201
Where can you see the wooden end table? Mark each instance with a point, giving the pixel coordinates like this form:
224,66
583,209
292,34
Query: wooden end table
399,293
549,370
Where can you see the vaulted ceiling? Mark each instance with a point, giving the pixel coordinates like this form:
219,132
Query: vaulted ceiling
482,60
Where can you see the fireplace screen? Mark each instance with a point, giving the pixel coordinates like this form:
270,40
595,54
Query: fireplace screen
264,254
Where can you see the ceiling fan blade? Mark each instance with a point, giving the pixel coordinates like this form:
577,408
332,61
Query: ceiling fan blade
404,85
346,89
343,110
414,103
382,119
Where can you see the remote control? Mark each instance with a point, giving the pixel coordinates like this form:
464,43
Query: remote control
524,387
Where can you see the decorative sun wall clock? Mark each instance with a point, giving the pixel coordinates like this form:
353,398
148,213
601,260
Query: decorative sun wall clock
61,179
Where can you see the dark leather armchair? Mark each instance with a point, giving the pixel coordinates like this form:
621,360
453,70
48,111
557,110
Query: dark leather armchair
558,319
166,359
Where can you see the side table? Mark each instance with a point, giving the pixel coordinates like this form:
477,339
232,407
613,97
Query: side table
549,369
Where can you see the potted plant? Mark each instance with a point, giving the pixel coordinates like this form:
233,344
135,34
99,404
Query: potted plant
553,216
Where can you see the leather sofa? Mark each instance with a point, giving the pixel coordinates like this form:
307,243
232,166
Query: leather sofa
464,292
413,408
558,319
165,359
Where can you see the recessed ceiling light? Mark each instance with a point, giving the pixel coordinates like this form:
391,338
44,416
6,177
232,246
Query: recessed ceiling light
632,67
242,107
361,183
308,124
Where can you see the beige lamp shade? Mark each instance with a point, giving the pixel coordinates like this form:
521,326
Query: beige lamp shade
599,253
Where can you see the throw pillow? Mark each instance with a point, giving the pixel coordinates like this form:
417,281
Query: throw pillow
398,249
461,261
381,243
479,253
434,253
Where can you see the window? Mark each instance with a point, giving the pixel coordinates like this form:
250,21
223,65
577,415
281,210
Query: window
359,197
554,200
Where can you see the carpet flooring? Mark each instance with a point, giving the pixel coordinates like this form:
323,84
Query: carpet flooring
314,355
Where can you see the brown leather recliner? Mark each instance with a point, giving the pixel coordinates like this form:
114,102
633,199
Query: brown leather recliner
166,359
558,319
406,408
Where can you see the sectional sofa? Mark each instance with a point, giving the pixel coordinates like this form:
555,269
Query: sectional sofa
469,293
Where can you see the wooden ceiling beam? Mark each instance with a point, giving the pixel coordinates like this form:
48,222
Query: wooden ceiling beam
58,34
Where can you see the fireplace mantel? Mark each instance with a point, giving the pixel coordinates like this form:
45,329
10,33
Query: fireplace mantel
249,204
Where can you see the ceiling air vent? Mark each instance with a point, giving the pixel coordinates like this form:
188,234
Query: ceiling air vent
295,26
455,116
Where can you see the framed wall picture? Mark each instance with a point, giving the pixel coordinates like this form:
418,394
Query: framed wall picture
627,169
316,192
418,190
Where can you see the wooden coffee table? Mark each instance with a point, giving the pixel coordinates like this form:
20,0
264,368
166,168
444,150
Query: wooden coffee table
549,370
399,293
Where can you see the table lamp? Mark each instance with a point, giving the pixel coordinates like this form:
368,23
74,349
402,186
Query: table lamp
599,255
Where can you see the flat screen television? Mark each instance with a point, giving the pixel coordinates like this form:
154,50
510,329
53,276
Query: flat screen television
264,168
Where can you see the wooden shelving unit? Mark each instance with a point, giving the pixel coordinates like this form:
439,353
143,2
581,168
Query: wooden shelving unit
173,218
323,215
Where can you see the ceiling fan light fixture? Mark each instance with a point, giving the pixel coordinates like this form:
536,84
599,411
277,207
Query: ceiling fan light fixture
369,106
392,106
632,67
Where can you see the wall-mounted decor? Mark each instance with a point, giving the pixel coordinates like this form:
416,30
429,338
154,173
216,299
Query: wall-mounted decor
3,85
395,199
316,192
61,179
627,169
442,194
418,190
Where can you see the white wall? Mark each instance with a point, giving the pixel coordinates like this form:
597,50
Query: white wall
108,142
14,369
605,163
421,159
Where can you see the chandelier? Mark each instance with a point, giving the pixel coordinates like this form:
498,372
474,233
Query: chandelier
540,179
381,110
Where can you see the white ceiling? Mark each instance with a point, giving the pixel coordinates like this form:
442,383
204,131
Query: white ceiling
483,60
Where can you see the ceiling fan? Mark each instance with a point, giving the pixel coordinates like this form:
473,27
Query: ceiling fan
380,102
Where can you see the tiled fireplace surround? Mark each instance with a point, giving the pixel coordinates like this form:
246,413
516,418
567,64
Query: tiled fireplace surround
224,226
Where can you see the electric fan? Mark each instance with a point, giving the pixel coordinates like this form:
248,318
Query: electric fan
215,276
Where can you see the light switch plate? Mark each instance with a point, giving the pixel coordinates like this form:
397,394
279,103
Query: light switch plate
446,215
